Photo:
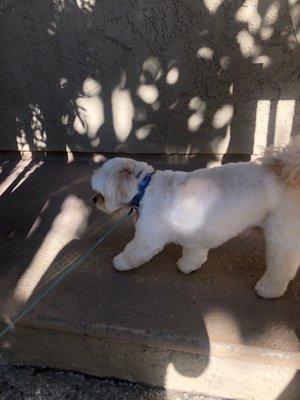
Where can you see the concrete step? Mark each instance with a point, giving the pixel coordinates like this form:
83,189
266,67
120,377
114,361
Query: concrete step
206,332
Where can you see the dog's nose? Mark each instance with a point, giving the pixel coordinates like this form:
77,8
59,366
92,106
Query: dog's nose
94,199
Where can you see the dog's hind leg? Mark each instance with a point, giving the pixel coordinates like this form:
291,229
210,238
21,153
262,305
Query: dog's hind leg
192,259
282,253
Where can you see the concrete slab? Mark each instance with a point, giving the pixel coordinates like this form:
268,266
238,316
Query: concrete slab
207,332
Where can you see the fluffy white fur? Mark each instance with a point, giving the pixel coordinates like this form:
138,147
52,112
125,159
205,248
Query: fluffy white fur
203,209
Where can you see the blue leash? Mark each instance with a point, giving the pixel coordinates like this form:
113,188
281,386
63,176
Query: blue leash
65,273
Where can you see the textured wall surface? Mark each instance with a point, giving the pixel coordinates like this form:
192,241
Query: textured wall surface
174,76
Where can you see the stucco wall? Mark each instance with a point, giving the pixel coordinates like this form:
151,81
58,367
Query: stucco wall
175,76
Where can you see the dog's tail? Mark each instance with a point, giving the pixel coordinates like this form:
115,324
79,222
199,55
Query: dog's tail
285,161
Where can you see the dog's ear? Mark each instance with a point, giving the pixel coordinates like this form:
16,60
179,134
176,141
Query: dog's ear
126,173
126,180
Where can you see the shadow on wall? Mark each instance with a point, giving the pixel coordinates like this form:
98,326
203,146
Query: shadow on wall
149,77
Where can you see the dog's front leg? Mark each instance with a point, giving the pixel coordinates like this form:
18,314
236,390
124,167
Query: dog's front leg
137,252
192,259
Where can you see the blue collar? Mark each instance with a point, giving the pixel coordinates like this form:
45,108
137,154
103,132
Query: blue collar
135,202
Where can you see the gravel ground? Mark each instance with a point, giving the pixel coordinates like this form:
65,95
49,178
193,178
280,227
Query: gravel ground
20,383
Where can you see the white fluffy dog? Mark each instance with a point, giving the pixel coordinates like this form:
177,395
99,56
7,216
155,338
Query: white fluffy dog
203,209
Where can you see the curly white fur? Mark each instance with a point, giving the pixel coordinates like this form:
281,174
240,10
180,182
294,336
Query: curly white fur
203,209
285,161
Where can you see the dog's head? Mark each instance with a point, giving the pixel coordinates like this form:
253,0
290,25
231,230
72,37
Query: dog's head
116,183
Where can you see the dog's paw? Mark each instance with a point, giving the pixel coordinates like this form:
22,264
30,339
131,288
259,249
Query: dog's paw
120,263
186,268
269,290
